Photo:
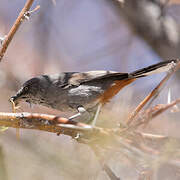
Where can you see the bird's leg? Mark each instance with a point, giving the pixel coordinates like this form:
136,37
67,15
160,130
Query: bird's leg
81,111
93,123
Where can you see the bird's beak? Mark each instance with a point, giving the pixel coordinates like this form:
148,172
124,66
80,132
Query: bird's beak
15,99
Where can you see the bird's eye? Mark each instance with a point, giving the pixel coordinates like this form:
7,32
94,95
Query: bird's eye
26,88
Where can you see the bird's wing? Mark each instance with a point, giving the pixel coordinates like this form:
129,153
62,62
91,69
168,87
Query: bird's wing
79,78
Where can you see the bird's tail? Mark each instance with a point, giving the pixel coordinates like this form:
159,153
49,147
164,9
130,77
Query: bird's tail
122,80
156,68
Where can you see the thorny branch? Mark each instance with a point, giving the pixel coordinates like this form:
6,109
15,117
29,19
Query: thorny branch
22,15
152,94
149,114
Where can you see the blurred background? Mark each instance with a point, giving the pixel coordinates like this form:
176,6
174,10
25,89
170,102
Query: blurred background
80,36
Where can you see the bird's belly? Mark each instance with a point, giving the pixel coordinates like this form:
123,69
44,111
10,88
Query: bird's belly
60,103
70,99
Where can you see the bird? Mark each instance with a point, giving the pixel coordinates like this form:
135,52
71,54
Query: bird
82,92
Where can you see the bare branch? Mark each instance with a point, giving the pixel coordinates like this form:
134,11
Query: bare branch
145,117
148,20
44,122
161,109
15,27
153,93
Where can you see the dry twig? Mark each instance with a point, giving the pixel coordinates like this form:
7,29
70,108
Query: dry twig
152,94
15,27
151,113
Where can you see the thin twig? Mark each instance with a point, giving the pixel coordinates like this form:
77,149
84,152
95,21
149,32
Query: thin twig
110,173
165,107
15,27
151,94
151,113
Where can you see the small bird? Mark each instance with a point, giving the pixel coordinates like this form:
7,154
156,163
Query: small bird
84,92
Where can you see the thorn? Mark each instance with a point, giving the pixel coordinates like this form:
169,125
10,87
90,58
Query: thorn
169,96
175,107
35,9
2,39
28,13
77,136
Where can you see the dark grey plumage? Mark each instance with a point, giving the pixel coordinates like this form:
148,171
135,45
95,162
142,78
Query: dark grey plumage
70,90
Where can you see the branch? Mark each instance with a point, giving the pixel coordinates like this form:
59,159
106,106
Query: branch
151,113
52,123
15,27
148,20
163,108
45,122
152,94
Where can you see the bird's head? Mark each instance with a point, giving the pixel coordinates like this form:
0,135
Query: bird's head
28,91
